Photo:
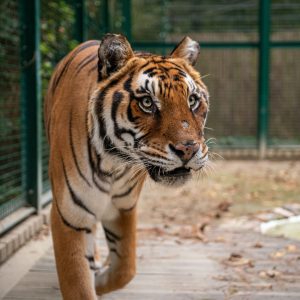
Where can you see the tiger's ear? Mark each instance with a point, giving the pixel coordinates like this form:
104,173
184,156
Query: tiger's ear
188,50
114,51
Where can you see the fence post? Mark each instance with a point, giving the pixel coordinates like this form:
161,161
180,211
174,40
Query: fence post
80,21
264,69
31,100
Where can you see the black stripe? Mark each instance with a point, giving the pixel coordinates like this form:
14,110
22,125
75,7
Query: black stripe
94,68
127,209
87,230
121,174
127,83
156,155
150,71
108,237
99,107
85,62
74,197
93,168
153,87
93,268
112,235
100,188
147,85
113,250
89,146
90,258
110,147
102,174
91,261
130,116
117,99
146,159
125,193
74,154
67,64
142,137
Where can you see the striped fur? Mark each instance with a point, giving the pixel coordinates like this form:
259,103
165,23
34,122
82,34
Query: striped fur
113,117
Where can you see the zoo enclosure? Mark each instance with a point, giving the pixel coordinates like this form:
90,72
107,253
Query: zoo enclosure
250,60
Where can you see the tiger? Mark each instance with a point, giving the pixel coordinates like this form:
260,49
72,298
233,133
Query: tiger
114,117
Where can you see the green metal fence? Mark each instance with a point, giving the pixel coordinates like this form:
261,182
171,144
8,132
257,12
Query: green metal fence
250,59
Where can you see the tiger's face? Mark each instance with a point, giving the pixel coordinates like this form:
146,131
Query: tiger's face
158,108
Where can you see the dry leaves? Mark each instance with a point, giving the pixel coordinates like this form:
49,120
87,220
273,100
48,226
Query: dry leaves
278,254
192,232
291,248
269,274
224,206
236,259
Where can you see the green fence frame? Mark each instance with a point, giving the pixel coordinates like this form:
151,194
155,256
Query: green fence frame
31,80
31,100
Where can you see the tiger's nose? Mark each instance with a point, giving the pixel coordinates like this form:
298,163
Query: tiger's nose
185,150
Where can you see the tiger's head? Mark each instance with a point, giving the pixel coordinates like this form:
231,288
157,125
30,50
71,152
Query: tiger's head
150,110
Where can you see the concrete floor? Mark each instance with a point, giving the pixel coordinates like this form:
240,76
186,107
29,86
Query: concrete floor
231,264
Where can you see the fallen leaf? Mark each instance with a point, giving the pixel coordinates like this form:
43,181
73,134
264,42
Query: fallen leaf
291,248
273,273
220,239
224,205
258,245
236,259
278,254
191,232
269,274
222,277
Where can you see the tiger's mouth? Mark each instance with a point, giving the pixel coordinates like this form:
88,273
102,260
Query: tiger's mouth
177,176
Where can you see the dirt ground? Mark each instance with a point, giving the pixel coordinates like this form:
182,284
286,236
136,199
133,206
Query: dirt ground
231,189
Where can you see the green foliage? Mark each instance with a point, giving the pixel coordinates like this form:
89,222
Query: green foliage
57,28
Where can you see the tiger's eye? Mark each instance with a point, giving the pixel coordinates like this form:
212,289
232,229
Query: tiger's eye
194,101
147,102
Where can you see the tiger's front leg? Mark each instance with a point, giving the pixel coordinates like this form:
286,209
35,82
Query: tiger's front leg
73,259
121,239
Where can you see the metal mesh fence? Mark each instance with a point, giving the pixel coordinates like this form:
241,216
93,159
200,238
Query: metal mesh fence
284,117
284,125
285,21
217,20
11,185
230,74
229,32
233,95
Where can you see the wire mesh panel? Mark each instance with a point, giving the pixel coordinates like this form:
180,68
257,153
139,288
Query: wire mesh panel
231,74
229,34
217,20
11,184
57,25
285,22
284,124
231,77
